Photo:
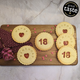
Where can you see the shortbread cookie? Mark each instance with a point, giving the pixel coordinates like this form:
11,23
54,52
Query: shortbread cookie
26,55
67,55
65,39
64,27
44,41
21,34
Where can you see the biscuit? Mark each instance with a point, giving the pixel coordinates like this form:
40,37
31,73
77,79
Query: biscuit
65,39
44,41
21,34
64,27
26,55
67,55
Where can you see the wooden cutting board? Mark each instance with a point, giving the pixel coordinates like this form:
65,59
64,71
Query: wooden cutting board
35,30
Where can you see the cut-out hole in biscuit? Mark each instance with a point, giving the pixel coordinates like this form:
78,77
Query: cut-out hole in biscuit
26,55
21,34
65,42
64,30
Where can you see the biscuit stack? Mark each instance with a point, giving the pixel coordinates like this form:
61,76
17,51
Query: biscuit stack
65,43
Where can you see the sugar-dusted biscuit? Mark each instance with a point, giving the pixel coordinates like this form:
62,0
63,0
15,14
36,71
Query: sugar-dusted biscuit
67,55
26,55
44,41
64,27
21,34
65,39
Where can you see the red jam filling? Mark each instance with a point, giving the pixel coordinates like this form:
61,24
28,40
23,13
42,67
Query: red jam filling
26,55
21,34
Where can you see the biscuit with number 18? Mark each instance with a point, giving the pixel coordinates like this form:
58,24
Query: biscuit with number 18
44,41
67,55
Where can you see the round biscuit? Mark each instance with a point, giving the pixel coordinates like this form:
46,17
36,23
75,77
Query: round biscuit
23,30
24,50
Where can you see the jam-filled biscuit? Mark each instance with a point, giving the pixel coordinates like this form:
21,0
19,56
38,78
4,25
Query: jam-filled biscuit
26,55
21,34
44,41
67,55
64,27
65,39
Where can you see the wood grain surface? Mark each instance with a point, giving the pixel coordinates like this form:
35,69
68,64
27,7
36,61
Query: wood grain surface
40,54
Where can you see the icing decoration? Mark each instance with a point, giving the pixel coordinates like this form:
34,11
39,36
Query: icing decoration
34,31
55,40
56,51
51,52
40,50
50,31
11,30
51,27
14,59
45,55
44,30
50,59
7,25
55,25
34,28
